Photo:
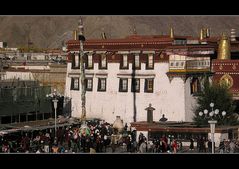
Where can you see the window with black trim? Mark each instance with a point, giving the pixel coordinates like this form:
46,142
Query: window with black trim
103,61
89,61
123,85
102,84
135,85
149,85
89,84
74,83
136,64
195,86
124,62
75,61
150,61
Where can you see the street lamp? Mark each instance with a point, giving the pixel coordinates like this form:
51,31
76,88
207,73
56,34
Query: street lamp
212,121
54,97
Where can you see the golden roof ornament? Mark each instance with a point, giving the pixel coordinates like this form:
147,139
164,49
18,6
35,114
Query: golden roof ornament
208,33
201,34
75,34
134,30
171,33
224,49
103,36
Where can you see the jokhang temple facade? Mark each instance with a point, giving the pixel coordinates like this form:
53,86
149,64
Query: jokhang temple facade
124,76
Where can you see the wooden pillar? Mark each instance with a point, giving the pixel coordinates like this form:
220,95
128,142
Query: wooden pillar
26,117
11,118
19,118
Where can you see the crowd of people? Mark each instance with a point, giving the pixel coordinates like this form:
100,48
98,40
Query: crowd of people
69,139
101,138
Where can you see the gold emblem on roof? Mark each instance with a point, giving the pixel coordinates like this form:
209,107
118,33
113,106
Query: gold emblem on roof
227,80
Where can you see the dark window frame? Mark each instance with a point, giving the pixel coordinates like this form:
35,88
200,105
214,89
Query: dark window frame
133,86
195,83
133,65
73,83
147,63
121,85
73,66
87,61
99,89
122,62
146,85
86,84
100,63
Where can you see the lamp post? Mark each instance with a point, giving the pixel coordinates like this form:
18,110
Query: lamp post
212,121
54,97
55,107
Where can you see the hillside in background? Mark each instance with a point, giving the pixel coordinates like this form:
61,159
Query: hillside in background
53,31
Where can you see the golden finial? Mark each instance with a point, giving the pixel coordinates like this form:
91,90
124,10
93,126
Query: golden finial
134,30
103,36
204,32
201,34
224,49
171,33
74,35
208,33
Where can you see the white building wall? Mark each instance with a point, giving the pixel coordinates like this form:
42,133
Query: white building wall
20,75
32,67
190,102
167,98
218,137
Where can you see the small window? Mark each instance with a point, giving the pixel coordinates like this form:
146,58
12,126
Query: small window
124,62
103,62
149,85
135,87
171,64
182,64
89,84
75,61
102,84
74,83
177,64
89,63
136,61
150,61
123,85
195,86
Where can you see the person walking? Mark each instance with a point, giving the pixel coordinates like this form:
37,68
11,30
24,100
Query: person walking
174,146
191,147
113,142
221,147
209,145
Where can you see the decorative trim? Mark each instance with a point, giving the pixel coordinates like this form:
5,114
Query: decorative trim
101,75
78,74
140,76
230,73
135,51
149,52
100,52
123,52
